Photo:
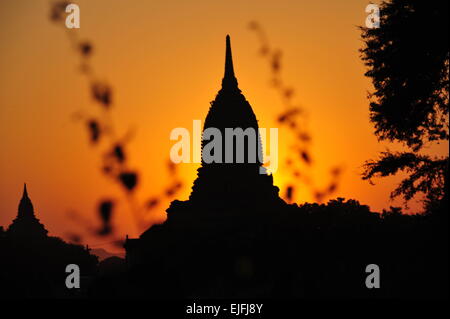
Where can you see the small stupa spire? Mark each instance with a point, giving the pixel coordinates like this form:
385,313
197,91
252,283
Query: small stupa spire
25,205
229,80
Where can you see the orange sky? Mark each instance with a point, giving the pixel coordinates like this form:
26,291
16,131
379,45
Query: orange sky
164,60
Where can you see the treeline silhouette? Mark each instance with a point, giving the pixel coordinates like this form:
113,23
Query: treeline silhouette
307,251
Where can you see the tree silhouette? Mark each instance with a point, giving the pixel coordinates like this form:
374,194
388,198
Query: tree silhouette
408,62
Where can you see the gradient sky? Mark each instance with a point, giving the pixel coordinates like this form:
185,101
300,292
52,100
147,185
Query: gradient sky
164,60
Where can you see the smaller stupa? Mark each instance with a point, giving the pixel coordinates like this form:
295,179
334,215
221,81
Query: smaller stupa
26,225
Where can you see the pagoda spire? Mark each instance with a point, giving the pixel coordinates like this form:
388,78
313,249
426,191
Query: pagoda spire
229,80
25,193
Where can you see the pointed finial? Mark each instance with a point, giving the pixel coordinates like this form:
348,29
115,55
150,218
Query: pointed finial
229,71
229,80
25,193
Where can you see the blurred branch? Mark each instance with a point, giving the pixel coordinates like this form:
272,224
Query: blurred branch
295,118
101,130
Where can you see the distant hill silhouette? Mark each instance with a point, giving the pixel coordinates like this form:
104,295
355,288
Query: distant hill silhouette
103,254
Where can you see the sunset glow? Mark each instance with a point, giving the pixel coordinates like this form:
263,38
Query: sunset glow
157,55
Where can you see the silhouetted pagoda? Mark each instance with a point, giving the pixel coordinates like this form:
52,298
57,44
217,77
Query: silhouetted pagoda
224,195
233,183
26,225
229,187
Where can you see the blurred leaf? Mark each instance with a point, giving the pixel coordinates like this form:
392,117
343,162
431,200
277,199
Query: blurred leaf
289,193
178,185
58,11
335,171
288,93
129,180
152,203
275,82
107,169
305,137
85,48
264,50
119,153
304,155
288,162
94,130
319,196
332,188
85,68
253,25
288,115
105,209
171,167
101,93
170,192
276,61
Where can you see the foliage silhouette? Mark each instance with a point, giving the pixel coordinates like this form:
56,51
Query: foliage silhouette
408,63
